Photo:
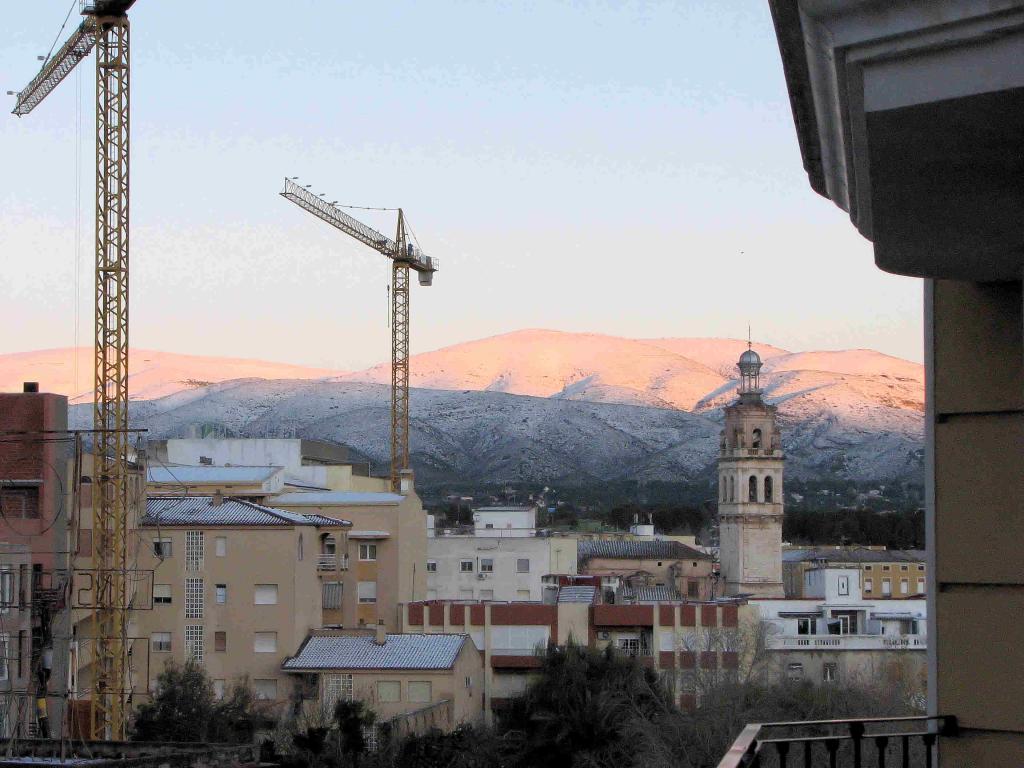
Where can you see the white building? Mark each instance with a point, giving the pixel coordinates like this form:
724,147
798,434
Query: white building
505,521
835,634
494,566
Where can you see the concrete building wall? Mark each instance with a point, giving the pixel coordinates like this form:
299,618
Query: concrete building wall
506,581
252,557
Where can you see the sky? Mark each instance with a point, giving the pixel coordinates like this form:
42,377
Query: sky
627,168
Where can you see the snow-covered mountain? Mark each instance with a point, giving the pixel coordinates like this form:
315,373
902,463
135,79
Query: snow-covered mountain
548,405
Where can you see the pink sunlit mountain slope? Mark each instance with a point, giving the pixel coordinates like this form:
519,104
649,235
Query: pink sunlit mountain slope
151,374
571,366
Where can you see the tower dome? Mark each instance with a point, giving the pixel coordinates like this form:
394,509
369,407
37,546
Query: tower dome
750,371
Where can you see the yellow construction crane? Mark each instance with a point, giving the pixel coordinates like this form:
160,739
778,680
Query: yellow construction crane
105,27
404,256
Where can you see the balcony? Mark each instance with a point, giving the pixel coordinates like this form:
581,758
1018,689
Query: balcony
332,562
847,642
879,741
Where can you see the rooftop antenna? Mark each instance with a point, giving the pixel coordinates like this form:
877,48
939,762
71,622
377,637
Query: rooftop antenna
750,344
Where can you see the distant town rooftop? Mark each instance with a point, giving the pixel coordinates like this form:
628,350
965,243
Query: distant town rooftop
852,555
406,651
636,550
338,499
224,511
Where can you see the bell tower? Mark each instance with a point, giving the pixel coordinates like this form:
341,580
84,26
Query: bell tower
750,490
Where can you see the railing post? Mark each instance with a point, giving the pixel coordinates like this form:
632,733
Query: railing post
782,748
906,752
882,742
856,733
929,743
832,745
807,754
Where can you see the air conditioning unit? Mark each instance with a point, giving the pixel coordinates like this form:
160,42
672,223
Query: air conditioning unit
481,576
604,635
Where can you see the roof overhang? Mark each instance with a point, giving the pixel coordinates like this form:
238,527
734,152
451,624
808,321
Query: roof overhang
907,115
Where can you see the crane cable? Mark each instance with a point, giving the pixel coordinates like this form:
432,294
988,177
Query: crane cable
60,31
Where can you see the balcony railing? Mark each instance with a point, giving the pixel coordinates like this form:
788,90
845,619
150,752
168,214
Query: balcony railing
332,562
895,741
847,642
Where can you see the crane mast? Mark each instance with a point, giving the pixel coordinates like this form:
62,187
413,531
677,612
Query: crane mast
404,257
106,28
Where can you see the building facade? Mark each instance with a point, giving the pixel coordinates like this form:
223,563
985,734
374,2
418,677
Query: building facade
885,574
626,566
750,490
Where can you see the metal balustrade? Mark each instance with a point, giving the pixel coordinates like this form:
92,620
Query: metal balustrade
883,742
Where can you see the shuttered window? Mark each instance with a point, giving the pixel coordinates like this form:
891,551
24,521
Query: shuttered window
332,595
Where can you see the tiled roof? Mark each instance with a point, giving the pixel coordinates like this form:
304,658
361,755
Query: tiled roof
656,594
338,499
633,549
164,475
362,652
578,594
200,510
852,555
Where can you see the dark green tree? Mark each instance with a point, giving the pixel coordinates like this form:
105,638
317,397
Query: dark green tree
353,718
182,708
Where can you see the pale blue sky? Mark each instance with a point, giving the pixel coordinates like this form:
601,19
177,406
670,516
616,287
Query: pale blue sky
622,168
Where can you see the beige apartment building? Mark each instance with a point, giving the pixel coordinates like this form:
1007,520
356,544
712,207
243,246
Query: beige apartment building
628,565
885,574
235,585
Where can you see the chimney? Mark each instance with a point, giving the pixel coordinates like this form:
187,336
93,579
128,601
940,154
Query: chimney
381,636
31,387
405,482
218,498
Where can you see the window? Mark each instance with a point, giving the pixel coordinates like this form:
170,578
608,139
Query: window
466,593
522,595
844,585
486,565
752,491
163,547
693,590
220,641
5,671
868,585
466,566
301,546
162,594
389,691
193,598
469,682
904,586
886,587
523,565
419,691
161,642
264,642
220,546
486,594
920,567
332,591
21,503
767,489
666,640
721,492
844,623
194,643
829,672
265,594
266,690
795,671
222,594
193,550
22,637
218,689
431,566
366,591
885,568
6,590
756,441
629,645
488,525
904,567
335,688
920,585
807,626
367,551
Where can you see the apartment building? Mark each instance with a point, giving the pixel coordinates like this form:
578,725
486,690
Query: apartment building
235,586
413,682
503,557
837,634
885,574
35,507
676,639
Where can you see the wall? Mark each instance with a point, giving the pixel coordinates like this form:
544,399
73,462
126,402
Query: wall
505,583
257,555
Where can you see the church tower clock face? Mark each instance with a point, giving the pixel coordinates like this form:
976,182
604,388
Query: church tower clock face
750,489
